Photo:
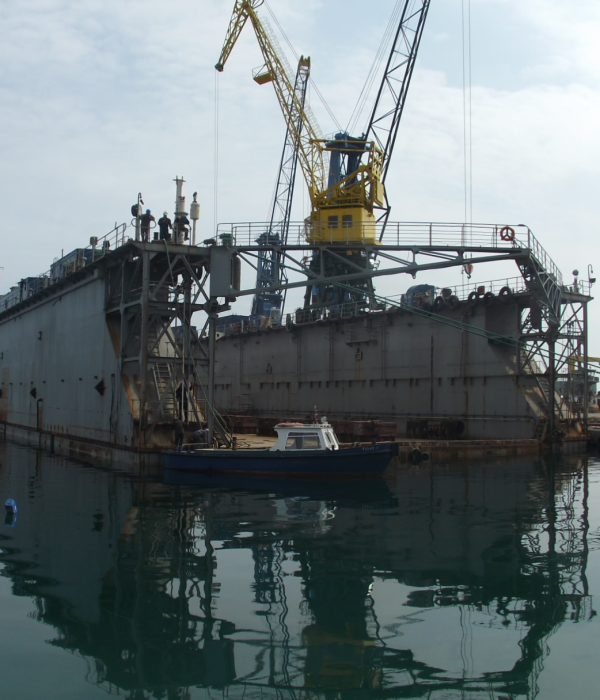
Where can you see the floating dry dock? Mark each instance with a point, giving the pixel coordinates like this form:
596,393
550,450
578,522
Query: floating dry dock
100,359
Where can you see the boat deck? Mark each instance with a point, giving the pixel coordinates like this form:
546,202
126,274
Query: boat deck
437,450
255,442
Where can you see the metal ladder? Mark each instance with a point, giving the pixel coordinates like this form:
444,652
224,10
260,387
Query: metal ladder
164,384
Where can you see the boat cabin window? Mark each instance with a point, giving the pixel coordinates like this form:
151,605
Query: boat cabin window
329,441
299,441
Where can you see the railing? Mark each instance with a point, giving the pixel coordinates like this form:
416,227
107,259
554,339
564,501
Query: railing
462,292
411,234
115,238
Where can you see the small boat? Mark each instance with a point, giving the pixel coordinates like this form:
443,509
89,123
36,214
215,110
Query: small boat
302,449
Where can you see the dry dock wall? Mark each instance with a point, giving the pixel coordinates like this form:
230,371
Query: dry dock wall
59,371
391,365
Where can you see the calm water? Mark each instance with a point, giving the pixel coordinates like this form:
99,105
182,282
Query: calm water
463,582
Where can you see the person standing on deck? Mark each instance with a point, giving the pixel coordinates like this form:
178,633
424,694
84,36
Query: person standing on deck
145,221
164,226
181,228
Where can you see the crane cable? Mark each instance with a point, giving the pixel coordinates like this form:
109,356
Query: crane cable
375,67
297,56
216,155
467,127
467,110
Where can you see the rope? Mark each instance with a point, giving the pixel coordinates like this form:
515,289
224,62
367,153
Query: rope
467,110
216,155
374,69
297,56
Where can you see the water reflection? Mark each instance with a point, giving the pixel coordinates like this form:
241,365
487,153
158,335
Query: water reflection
435,583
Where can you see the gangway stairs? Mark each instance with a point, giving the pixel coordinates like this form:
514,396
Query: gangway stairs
542,276
165,388
174,397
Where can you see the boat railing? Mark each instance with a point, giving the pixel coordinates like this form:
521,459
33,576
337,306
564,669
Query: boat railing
192,446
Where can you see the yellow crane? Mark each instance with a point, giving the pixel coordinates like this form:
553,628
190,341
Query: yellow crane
342,210
345,174
581,359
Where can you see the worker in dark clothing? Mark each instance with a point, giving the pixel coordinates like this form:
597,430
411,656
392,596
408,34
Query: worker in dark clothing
180,228
164,226
146,220
179,430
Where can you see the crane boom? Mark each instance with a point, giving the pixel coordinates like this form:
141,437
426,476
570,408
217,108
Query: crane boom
303,132
391,96
342,206
342,227
270,272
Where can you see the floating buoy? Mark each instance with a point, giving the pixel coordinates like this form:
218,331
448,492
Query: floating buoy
10,511
10,505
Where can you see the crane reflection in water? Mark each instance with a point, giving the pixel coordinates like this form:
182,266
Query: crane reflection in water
436,580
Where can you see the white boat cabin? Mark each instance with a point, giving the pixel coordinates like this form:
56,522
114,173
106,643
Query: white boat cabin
295,437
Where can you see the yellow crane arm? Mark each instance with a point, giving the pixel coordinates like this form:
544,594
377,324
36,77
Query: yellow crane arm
304,134
236,24
574,359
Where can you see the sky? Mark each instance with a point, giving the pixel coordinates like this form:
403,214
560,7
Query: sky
102,99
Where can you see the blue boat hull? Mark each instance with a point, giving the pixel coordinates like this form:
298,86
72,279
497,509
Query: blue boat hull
354,461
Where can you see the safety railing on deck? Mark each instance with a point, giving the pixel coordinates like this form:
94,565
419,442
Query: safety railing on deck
467,291
403,234
407,234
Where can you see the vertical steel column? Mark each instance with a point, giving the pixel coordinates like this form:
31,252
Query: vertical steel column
552,381
143,349
186,354
210,417
114,423
585,368
138,216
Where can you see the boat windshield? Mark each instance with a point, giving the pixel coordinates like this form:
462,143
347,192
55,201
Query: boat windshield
302,441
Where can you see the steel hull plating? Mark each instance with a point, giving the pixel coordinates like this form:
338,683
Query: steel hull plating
356,461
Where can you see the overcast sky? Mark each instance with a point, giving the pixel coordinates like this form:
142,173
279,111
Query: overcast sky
100,99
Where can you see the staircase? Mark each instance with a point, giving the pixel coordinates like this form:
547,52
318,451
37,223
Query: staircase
542,276
164,385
